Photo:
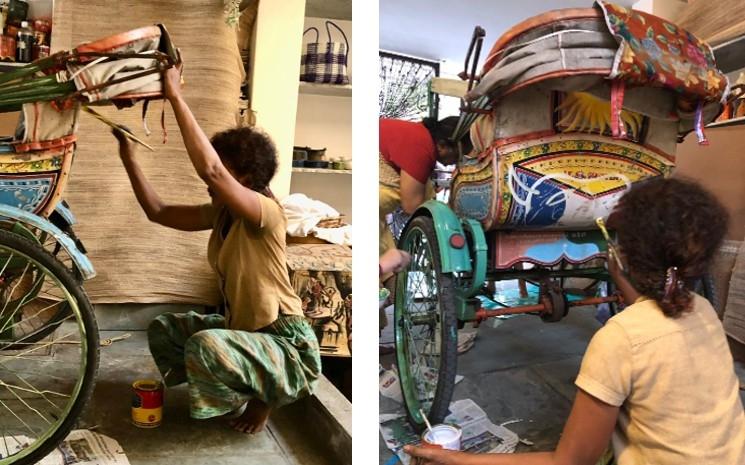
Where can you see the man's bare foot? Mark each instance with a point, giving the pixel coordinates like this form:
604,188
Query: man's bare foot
253,419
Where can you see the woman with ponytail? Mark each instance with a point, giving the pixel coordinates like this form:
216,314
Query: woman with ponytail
658,380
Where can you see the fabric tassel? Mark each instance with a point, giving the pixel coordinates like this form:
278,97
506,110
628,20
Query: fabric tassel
699,124
144,118
163,122
618,127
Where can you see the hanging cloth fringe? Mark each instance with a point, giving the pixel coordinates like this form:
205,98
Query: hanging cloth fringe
699,124
618,127
162,120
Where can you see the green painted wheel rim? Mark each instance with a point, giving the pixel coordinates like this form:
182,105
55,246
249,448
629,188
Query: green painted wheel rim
74,309
417,313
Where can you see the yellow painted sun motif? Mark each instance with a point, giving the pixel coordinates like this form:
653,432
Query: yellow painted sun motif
583,112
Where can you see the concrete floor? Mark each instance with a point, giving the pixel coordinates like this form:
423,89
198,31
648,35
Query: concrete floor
313,431
181,440
523,369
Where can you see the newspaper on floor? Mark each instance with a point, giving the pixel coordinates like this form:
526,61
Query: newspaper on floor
390,387
480,435
81,447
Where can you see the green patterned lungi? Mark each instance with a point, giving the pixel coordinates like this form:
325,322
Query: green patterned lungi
278,364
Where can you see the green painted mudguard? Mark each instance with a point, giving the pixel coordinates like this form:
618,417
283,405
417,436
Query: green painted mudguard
471,258
446,223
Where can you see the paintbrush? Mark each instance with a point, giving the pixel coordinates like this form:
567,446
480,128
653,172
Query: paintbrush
426,420
612,250
118,127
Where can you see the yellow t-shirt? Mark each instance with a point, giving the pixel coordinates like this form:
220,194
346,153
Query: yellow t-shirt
251,263
675,384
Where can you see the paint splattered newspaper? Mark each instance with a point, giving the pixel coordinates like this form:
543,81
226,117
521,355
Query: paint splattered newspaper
480,435
81,447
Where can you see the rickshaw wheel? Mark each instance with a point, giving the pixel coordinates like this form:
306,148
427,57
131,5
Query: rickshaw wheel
559,306
425,327
44,384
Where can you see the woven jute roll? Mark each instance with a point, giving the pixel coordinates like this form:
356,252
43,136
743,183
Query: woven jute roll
734,312
387,174
715,23
138,261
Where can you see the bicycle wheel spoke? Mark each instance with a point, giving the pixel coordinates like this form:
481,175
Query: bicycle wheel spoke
43,345
2,312
32,390
14,325
5,266
43,394
33,433
7,386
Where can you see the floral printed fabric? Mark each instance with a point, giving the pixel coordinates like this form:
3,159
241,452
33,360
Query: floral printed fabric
654,52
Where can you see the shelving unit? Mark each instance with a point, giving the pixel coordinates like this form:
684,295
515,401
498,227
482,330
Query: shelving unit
730,122
320,170
730,58
10,65
329,90
323,119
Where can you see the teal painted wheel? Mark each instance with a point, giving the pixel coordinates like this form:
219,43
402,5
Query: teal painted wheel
425,327
44,383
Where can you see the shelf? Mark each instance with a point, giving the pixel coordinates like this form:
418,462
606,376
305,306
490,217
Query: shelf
320,170
730,122
10,65
729,55
329,90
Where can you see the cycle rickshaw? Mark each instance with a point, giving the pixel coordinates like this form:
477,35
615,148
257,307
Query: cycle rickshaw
49,341
571,108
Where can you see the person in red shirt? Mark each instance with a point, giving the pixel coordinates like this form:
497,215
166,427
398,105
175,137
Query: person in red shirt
412,150
409,152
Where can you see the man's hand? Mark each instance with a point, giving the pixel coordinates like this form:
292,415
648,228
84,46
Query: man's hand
126,146
172,82
394,261
433,456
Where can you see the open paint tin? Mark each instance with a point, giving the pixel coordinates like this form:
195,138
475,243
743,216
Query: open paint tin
443,436
147,403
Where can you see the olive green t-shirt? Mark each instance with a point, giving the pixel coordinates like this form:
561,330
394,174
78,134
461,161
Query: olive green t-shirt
251,264
674,381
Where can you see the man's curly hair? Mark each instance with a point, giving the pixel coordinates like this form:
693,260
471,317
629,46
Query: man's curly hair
663,223
249,153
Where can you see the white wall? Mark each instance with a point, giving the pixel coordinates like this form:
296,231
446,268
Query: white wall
324,121
279,26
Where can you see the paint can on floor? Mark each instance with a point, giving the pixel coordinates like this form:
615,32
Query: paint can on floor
443,436
147,403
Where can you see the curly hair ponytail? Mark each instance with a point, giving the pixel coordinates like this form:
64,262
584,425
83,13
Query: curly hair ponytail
669,231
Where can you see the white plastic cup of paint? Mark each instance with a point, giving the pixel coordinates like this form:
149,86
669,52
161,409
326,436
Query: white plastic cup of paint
443,436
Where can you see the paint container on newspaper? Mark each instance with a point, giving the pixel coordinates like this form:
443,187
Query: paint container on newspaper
443,436
147,403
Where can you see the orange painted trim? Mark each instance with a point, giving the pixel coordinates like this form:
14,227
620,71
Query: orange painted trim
534,22
141,95
45,144
59,188
118,40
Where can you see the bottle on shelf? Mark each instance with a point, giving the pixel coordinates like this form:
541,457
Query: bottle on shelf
25,43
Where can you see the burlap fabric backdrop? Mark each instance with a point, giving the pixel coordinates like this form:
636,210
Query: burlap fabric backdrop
714,22
138,261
